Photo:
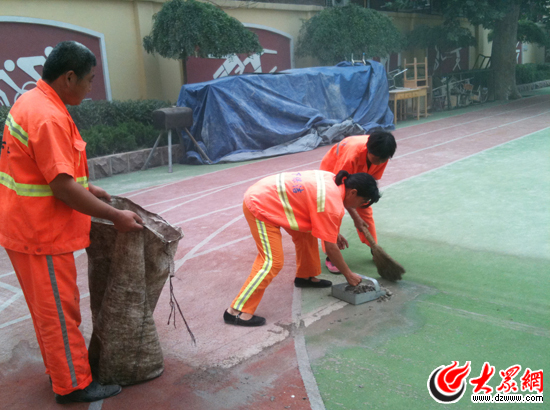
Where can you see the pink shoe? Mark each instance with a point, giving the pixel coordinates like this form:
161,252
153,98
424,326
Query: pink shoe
331,268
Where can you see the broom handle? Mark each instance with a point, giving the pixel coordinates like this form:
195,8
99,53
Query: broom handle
370,239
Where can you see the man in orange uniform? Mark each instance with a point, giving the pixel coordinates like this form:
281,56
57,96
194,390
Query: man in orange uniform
308,205
361,153
45,215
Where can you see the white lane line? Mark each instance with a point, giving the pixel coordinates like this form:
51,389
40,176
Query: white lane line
225,245
220,187
468,122
178,264
11,300
504,323
12,322
304,364
7,274
22,318
470,135
207,214
461,159
96,405
14,289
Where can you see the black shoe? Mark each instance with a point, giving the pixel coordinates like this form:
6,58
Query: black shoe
308,283
93,392
237,321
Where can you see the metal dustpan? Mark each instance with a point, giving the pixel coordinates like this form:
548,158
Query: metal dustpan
339,291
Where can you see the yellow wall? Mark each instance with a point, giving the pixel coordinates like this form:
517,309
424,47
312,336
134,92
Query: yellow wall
134,74
116,20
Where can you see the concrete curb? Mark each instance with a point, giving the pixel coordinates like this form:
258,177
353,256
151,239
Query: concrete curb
533,86
107,166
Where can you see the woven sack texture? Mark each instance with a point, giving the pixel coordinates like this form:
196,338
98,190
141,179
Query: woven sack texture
126,274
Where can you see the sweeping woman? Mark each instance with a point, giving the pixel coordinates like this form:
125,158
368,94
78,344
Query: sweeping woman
309,205
360,153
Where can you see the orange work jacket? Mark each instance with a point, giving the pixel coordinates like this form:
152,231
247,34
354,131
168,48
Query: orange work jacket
40,141
307,201
350,155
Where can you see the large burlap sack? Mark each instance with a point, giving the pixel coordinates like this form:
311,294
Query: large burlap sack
126,274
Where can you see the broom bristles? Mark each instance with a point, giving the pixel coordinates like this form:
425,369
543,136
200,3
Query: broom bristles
388,268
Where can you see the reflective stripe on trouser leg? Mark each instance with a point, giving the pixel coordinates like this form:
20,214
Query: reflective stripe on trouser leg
61,316
366,215
267,265
51,292
308,262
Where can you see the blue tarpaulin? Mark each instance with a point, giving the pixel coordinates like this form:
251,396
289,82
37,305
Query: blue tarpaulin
254,116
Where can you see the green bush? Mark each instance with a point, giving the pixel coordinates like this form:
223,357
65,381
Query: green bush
530,73
112,113
3,115
126,136
110,127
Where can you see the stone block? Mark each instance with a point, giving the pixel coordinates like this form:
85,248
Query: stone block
136,159
119,163
91,169
102,167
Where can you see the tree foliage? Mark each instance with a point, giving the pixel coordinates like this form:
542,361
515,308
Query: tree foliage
528,32
185,28
501,16
531,32
338,32
445,37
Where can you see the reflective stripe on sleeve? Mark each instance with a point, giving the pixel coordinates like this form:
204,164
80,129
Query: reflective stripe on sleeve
33,190
321,191
25,189
83,181
16,131
283,197
262,273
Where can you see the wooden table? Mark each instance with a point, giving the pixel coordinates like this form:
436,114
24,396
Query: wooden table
403,94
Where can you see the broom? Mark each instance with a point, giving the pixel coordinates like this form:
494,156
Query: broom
387,267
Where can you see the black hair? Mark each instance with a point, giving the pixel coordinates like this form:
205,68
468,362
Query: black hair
382,144
68,56
364,183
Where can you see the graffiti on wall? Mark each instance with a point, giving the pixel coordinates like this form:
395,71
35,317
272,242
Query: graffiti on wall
233,65
26,43
441,62
27,65
276,56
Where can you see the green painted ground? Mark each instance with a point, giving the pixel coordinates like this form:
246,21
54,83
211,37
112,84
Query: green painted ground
475,239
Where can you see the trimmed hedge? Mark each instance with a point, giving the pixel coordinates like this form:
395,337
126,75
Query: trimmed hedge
531,73
111,127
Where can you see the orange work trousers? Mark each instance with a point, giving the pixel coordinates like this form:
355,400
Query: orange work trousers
50,289
270,260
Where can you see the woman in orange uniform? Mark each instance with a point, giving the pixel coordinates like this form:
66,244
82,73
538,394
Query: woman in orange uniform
308,205
360,153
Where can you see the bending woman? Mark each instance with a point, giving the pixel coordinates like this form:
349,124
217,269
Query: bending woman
308,205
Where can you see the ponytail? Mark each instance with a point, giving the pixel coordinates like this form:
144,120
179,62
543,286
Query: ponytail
364,183
340,177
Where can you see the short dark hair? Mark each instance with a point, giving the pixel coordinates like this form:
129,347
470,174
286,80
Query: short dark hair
68,56
364,183
382,144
